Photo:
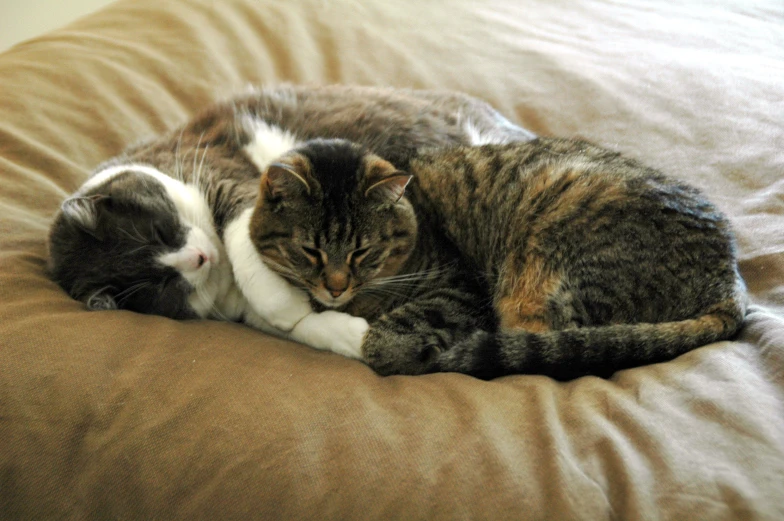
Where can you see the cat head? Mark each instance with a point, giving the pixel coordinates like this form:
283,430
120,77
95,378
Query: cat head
332,218
133,238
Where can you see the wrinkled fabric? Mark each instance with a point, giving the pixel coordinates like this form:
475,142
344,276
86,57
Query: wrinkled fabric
115,415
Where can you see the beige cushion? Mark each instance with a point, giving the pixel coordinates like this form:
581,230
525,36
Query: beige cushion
114,415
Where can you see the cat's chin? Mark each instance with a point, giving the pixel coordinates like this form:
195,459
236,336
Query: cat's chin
329,302
331,305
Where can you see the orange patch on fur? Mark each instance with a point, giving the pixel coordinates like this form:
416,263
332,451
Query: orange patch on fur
523,305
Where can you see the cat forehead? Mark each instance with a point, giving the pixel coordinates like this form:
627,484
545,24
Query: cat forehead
333,153
189,203
337,167
151,173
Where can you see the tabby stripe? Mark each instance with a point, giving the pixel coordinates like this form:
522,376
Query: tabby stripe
401,323
274,235
536,155
326,224
344,226
470,179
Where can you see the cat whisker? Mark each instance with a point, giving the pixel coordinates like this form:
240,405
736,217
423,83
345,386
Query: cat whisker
284,272
133,238
384,281
153,233
435,269
129,292
217,314
178,173
410,289
295,280
414,281
195,156
375,289
203,297
138,233
403,286
143,246
97,292
197,180
381,293
132,287
279,268
412,277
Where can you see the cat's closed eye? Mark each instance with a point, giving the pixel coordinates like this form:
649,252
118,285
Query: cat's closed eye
358,255
166,283
159,235
315,255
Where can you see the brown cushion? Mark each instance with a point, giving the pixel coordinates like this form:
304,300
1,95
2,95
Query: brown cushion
113,415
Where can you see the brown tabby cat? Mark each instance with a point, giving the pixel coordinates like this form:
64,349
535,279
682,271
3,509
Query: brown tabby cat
553,256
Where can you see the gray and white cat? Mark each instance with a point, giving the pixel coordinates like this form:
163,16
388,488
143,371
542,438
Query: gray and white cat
163,228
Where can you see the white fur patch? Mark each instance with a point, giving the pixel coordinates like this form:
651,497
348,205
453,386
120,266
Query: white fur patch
333,331
195,259
478,138
269,143
213,282
81,210
269,295
189,201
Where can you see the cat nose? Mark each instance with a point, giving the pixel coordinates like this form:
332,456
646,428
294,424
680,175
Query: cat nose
336,283
199,258
336,291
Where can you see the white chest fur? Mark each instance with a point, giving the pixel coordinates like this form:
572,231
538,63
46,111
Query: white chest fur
273,301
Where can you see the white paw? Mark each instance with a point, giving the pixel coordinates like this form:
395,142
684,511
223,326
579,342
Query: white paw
348,338
333,331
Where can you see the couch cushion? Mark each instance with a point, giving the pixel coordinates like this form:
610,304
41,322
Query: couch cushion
116,415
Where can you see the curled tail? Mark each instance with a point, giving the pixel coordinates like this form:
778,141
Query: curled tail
602,350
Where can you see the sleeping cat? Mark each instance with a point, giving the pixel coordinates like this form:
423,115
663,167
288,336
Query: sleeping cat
163,228
552,256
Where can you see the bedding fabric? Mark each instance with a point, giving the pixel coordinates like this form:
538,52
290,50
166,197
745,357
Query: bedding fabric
114,415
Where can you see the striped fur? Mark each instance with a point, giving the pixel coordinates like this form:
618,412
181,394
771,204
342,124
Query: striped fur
554,257
596,262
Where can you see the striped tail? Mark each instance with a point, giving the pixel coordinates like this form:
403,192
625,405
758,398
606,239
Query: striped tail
602,350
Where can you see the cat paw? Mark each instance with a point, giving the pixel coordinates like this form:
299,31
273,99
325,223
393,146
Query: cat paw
333,331
389,354
349,338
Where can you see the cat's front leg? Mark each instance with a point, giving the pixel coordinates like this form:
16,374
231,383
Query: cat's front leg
333,331
272,297
408,339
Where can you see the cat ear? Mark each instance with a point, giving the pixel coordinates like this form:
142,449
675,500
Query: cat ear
385,180
392,187
101,300
285,179
83,211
